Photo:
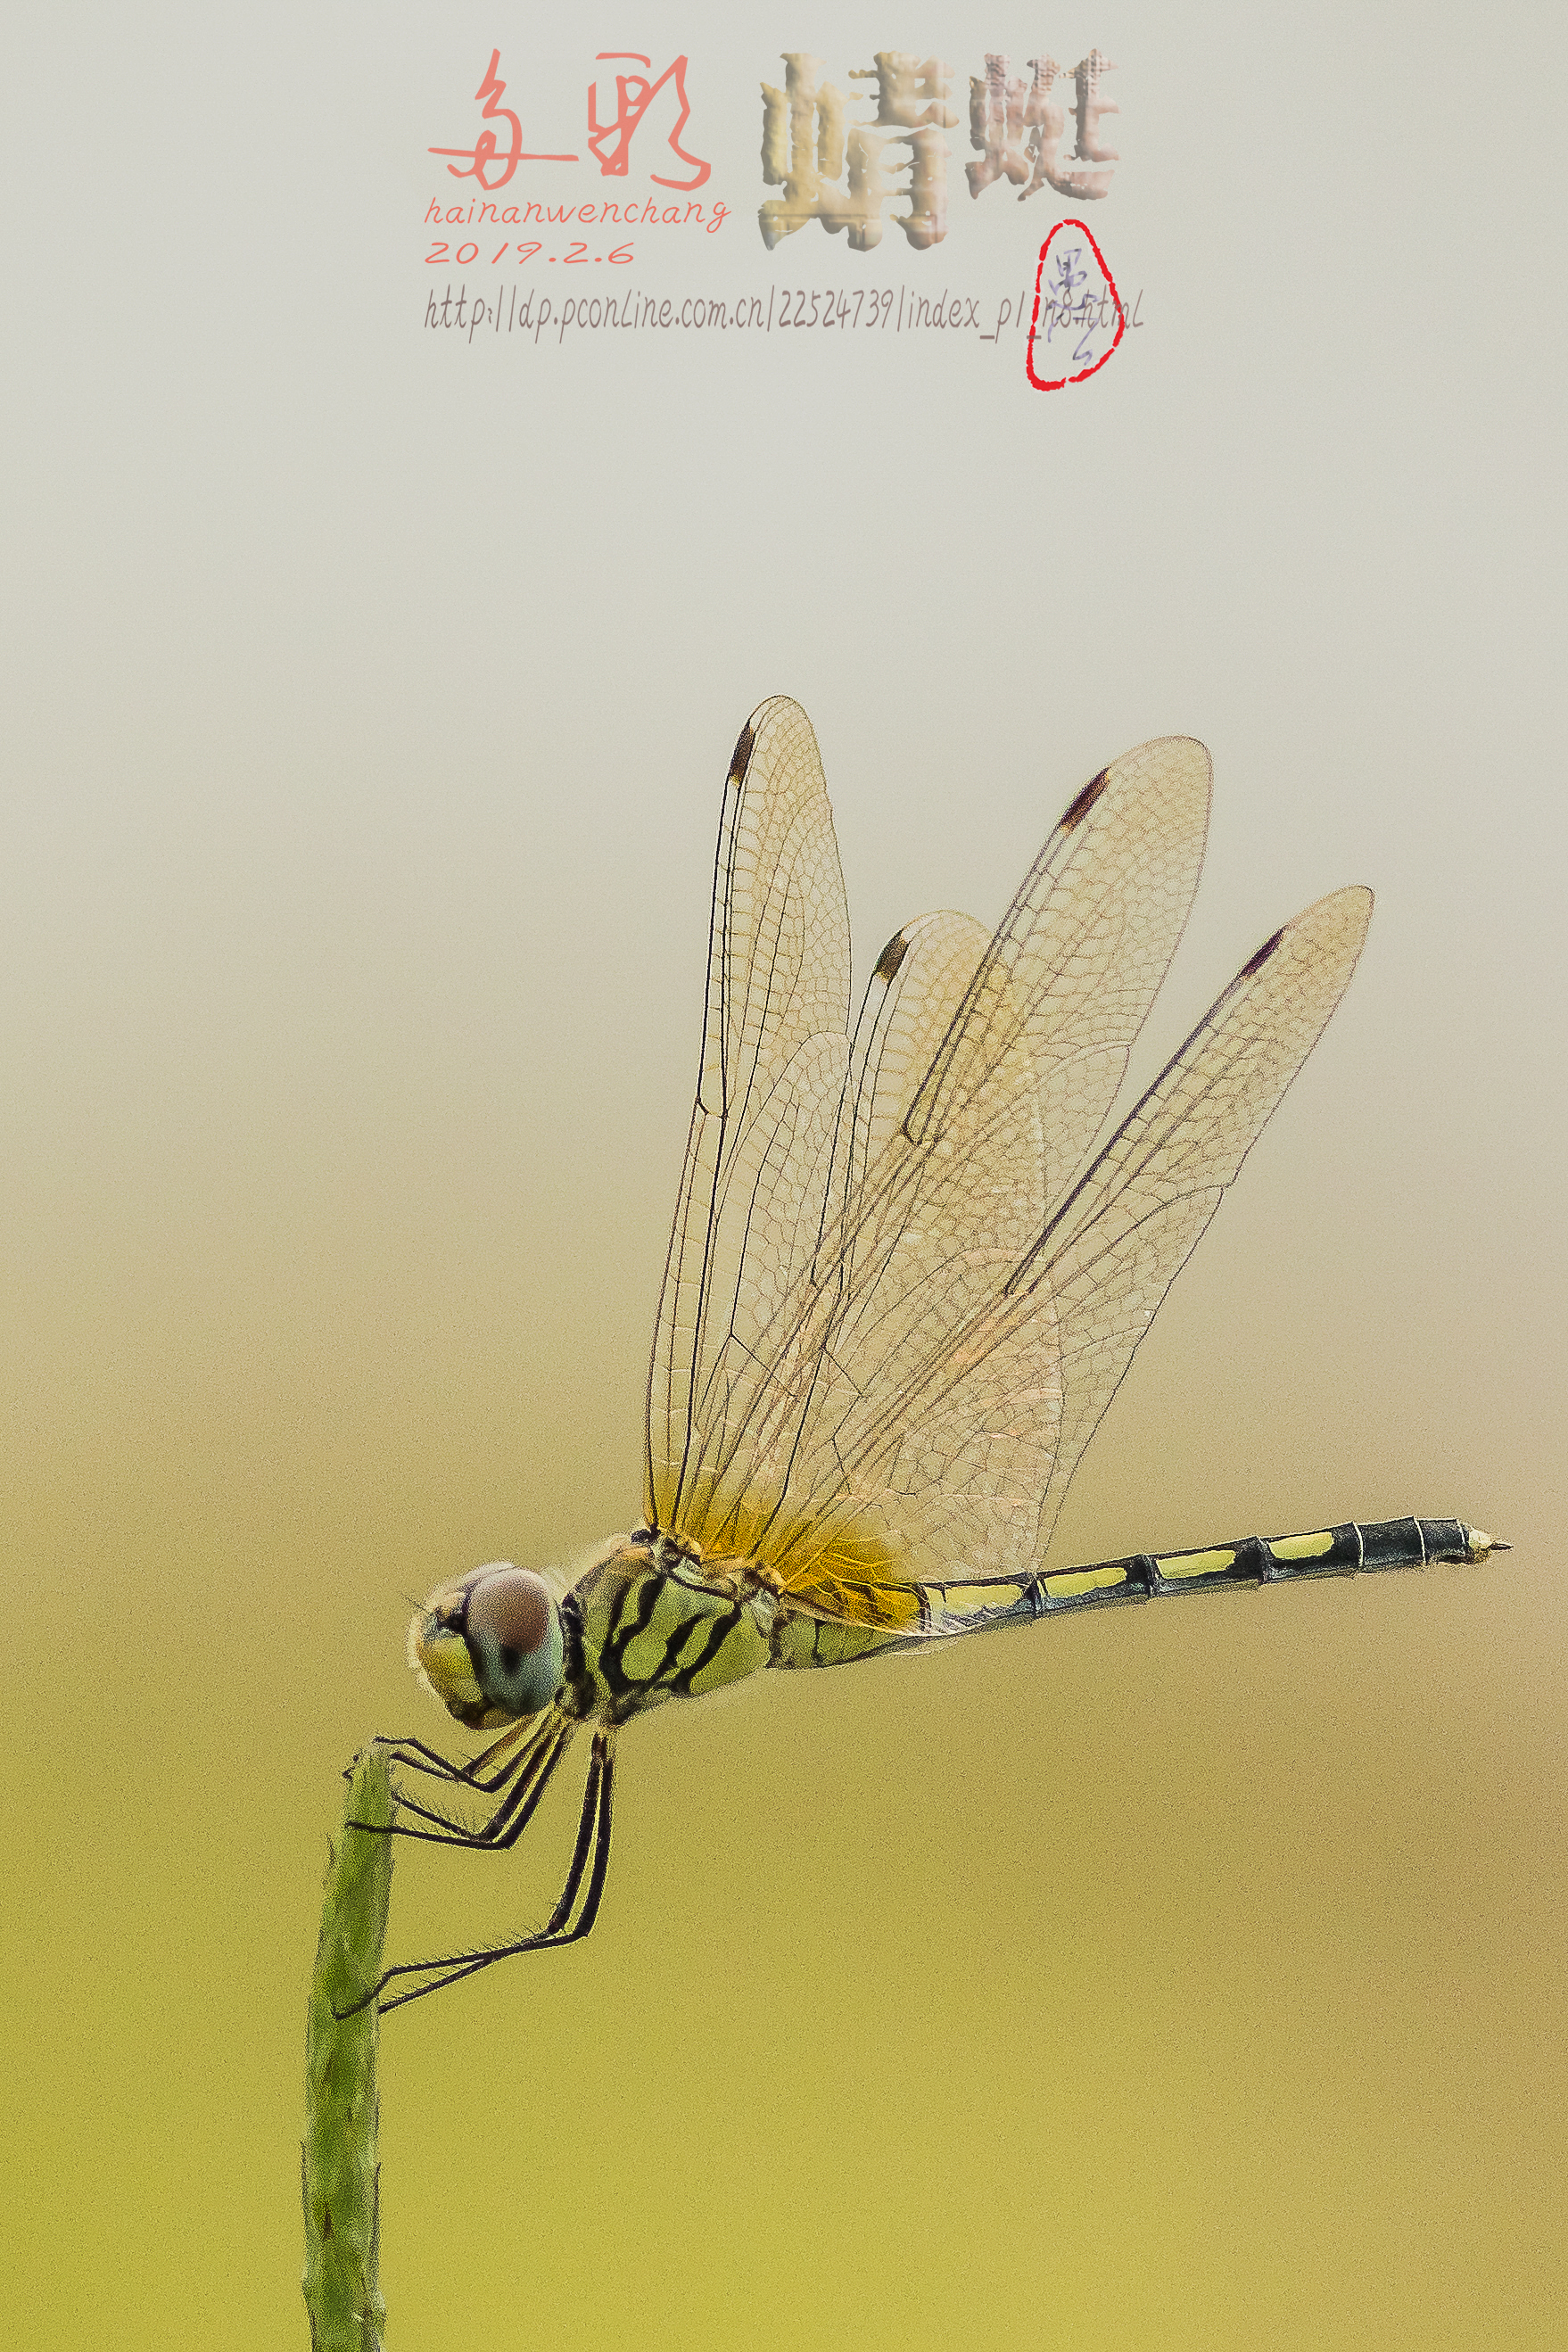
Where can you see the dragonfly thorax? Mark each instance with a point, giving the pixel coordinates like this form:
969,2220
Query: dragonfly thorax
652,1621
492,1647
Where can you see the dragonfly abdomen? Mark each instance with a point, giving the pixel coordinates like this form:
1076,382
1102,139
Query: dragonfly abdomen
985,1604
1266,1559
966,1605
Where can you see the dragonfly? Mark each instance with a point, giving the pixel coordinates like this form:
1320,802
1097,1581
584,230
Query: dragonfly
905,1279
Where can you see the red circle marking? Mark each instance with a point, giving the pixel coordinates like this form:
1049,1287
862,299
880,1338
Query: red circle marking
1056,383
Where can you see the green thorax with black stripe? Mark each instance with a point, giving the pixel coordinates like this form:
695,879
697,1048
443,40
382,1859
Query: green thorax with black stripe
648,1622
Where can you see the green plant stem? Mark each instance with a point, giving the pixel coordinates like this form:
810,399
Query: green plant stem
340,2167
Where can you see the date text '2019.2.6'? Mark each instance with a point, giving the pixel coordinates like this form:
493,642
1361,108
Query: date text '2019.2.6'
470,252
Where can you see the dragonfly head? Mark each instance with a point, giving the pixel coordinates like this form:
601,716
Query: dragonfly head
489,1647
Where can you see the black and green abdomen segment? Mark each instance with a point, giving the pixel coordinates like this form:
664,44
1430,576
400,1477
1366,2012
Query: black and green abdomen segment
1252,1560
1267,1559
981,1604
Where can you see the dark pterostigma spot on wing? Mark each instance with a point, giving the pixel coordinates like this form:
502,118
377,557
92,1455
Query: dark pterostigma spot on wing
1077,810
741,752
892,956
1257,963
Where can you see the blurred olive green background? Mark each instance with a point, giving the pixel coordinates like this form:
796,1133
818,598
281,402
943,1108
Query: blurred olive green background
1190,1977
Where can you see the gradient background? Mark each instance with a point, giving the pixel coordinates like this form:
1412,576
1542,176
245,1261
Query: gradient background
1187,1977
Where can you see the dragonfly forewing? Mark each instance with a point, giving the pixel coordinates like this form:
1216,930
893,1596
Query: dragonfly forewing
839,1415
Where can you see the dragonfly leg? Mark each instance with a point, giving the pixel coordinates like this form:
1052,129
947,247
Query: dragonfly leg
467,1772
529,1772
590,1859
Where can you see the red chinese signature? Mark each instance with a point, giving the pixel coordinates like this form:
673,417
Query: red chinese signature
610,142
634,95
485,149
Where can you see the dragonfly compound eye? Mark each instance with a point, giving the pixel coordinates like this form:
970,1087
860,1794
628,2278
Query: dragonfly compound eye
513,1630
